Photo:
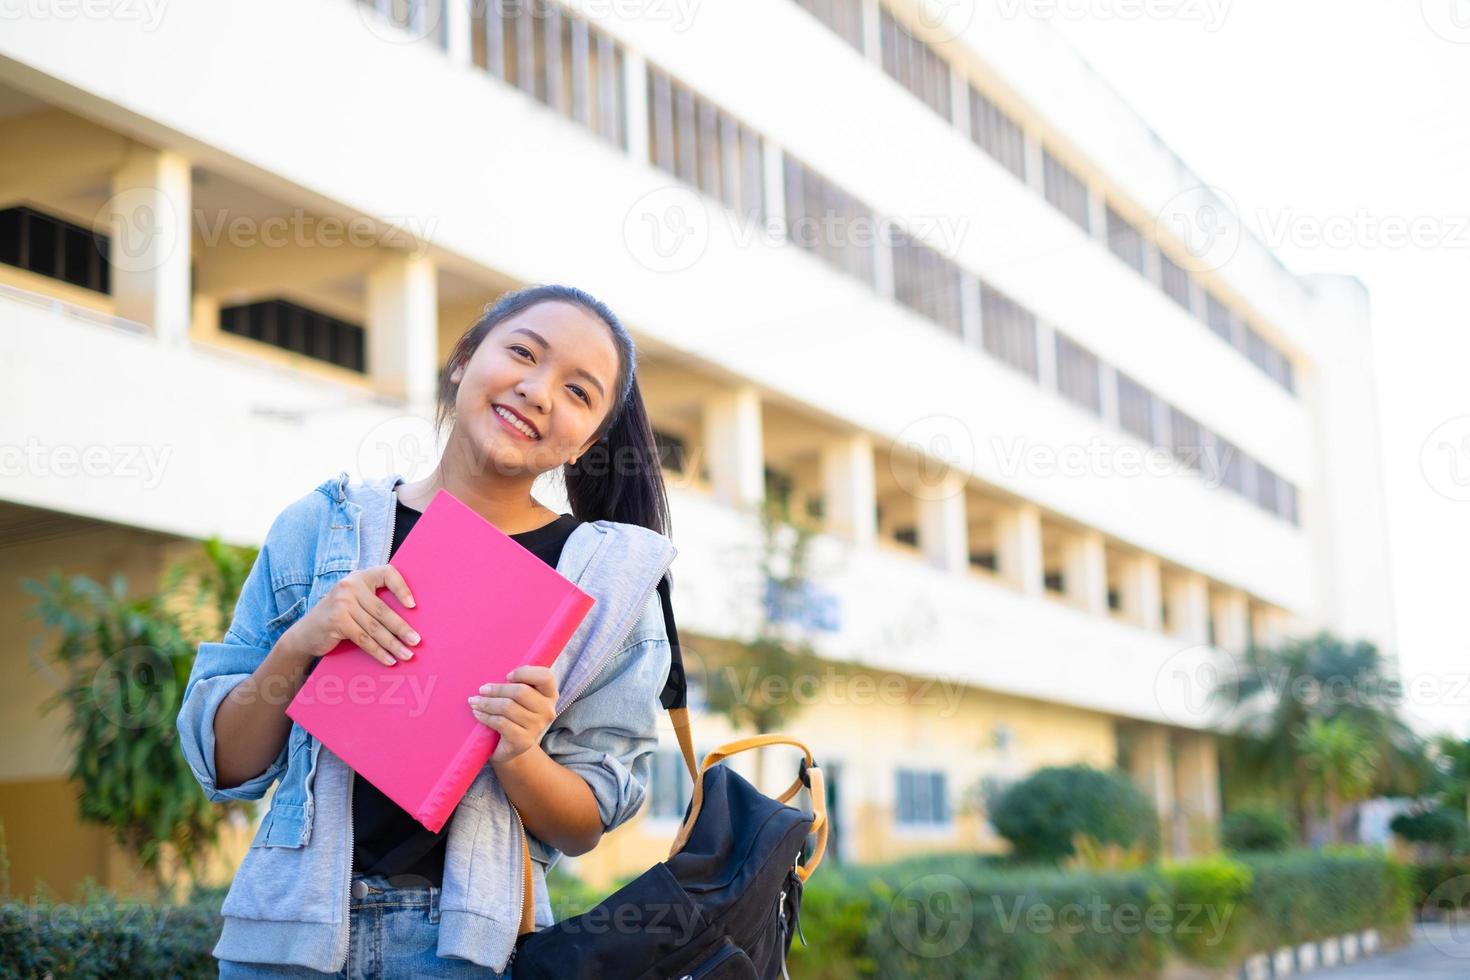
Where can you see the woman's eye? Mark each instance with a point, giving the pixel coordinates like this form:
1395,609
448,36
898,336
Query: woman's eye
582,394
521,349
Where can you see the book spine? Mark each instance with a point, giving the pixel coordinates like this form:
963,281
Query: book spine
436,807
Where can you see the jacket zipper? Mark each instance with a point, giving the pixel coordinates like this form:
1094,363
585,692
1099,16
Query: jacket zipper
351,774
521,904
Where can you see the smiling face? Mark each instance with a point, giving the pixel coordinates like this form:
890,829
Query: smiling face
534,392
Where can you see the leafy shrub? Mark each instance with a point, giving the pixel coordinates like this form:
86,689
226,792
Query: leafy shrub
1208,896
1257,828
1042,813
105,937
1439,827
1441,888
1304,895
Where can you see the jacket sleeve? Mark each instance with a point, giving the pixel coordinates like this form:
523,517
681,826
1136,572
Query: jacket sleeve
219,667
609,734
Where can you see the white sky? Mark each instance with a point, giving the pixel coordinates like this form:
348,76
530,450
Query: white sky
1355,113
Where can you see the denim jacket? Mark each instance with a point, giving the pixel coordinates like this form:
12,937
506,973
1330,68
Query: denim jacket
288,902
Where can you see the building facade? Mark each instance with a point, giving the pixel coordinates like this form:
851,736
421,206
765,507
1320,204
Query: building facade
1068,436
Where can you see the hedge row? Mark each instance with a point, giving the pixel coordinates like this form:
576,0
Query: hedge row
957,917
937,916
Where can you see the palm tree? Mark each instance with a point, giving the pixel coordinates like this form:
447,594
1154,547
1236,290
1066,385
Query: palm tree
1280,690
1343,762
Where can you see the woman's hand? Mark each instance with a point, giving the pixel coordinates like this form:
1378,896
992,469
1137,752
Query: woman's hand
353,611
521,710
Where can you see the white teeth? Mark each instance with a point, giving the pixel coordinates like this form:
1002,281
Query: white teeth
510,417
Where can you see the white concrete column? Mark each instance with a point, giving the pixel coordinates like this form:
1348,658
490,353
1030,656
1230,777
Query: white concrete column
1268,625
943,529
970,327
403,330
1085,571
959,101
1189,607
635,96
457,27
1197,789
1151,765
872,49
1046,356
1228,609
1035,162
1097,213
775,181
1141,587
733,446
150,215
849,489
1018,555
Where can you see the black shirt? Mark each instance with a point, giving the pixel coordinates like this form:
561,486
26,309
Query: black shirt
386,840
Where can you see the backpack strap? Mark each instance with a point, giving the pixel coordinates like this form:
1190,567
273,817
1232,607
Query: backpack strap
811,776
675,696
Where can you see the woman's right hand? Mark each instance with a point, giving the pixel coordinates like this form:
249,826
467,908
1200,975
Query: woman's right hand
353,611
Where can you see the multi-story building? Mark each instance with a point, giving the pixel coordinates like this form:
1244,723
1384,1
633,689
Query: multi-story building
1067,433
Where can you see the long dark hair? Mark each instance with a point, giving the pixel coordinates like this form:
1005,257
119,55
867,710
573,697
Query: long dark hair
619,477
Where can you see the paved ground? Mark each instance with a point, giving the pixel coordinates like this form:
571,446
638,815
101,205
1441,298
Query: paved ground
1438,953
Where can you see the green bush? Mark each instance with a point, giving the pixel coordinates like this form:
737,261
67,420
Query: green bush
1441,887
104,937
1040,814
950,916
1208,896
1440,827
1257,828
1305,895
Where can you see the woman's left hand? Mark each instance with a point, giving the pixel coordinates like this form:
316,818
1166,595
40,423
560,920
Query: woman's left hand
521,710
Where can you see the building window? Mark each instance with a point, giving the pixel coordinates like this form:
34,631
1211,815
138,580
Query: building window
299,330
1289,503
671,452
1136,409
668,785
1217,318
701,144
1175,281
54,248
843,17
1186,438
1266,484
1065,190
927,282
922,797
1008,330
419,18
827,221
1078,375
997,134
1125,241
913,64
557,58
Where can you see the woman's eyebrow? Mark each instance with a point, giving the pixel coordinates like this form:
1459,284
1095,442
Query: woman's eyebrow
582,371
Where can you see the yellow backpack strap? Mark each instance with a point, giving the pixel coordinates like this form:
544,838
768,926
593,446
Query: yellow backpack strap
528,898
811,771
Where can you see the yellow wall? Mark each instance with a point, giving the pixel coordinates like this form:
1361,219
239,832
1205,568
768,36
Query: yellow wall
872,735
44,836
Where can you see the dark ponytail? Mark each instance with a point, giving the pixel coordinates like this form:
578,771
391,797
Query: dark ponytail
618,478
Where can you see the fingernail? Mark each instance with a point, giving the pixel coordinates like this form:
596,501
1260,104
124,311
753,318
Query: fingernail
411,602
413,637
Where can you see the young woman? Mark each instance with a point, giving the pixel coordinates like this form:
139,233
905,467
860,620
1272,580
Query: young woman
340,880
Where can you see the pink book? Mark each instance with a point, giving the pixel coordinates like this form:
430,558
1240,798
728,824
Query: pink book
484,606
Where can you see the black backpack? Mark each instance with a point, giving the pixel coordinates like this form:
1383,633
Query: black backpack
725,902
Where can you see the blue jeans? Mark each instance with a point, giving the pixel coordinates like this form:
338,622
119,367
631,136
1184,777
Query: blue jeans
394,933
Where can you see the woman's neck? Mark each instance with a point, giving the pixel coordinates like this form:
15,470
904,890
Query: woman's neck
509,505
